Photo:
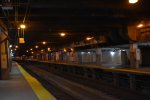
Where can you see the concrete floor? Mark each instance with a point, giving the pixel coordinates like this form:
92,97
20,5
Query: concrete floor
16,88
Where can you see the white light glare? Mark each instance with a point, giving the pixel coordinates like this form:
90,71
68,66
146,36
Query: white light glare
89,52
82,53
133,1
10,46
112,53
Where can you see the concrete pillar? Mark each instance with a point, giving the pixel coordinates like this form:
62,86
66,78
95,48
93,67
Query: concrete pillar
4,64
134,56
98,56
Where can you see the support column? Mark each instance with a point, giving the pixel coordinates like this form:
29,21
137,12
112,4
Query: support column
98,56
134,56
4,58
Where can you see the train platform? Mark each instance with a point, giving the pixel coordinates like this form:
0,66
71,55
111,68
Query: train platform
22,86
108,67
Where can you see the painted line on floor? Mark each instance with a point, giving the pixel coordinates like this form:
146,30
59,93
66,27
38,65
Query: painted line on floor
36,86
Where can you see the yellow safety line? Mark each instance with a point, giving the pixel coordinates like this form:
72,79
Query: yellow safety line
36,86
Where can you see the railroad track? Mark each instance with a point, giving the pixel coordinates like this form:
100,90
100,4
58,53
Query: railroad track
74,88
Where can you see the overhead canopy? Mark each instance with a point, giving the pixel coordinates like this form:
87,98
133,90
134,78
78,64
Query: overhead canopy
45,19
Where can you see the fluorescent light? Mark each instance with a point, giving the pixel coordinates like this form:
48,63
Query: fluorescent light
112,53
10,46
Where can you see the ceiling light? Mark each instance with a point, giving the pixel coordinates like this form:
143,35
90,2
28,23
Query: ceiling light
49,49
42,50
72,49
112,53
65,50
23,26
10,46
31,49
36,46
89,38
62,34
133,1
27,51
44,42
16,46
140,25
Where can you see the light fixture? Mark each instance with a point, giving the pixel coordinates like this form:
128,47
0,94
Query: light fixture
31,49
140,25
49,49
36,46
32,52
65,50
89,38
112,53
133,1
15,49
44,42
62,34
42,50
16,46
10,46
27,51
72,49
89,52
22,26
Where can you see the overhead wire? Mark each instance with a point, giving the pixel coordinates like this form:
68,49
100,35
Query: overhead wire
26,12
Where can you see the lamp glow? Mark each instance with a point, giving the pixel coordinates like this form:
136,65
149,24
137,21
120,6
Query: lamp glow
140,25
16,46
133,1
44,42
65,50
72,49
49,49
62,34
112,53
42,50
89,38
23,26
36,46
10,46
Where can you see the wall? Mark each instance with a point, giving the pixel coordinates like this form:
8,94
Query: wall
145,54
4,58
111,58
